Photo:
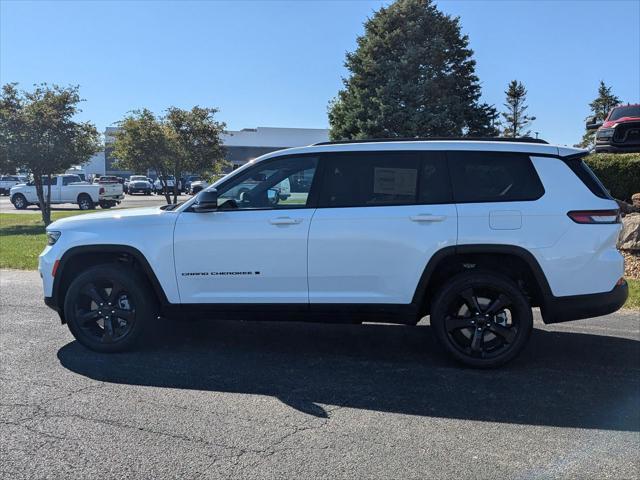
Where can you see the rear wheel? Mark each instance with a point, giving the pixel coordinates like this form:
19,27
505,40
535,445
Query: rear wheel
107,307
85,202
482,319
19,201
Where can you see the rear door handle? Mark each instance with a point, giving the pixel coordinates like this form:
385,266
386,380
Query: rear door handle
285,221
425,217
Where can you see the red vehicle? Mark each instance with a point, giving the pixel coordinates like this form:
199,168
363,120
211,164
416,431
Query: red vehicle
620,131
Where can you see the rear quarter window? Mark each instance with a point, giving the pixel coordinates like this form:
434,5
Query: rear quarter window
493,177
586,175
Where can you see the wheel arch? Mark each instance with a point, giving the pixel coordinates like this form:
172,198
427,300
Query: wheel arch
78,258
515,262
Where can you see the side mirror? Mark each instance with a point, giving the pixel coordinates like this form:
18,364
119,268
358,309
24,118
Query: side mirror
206,201
273,195
593,123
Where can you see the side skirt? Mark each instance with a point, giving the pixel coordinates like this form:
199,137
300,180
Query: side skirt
325,313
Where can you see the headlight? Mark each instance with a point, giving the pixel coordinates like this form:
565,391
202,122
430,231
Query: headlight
605,133
52,237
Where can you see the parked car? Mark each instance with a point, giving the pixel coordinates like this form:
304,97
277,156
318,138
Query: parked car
69,189
187,182
8,181
197,186
169,180
620,131
79,171
472,233
139,184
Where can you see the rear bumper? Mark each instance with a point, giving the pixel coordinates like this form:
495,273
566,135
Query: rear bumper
576,307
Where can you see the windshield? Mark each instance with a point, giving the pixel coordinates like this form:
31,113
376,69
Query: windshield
621,112
136,178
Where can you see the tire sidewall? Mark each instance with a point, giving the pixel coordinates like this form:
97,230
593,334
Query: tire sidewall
521,309
23,200
136,287
87,199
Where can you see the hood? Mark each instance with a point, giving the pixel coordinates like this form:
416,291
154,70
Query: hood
613,123
113,219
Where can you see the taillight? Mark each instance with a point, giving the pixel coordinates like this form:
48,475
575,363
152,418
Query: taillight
595,216
101,191
56,264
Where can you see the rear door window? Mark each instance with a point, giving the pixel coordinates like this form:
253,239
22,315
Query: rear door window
368,179
493,177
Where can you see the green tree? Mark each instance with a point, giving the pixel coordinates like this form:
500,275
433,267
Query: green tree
516,121
412,74
142,143
195,138
38,134
600,108
182,141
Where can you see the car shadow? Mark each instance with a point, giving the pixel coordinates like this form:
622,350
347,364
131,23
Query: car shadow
561,379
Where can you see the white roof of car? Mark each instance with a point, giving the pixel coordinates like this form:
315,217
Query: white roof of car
470,145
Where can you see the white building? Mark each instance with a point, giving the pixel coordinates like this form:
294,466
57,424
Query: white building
249,143
242,145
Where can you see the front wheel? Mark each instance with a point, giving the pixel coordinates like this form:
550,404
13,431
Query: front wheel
482,319
19,202
107,307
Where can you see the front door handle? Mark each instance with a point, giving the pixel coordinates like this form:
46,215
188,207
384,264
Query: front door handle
426,217
285,221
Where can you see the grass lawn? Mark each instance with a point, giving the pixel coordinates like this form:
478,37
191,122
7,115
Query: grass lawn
634,294
22,239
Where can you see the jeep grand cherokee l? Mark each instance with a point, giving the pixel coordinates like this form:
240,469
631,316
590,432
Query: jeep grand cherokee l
472,233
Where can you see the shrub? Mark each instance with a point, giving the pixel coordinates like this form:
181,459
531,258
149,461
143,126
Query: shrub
619,172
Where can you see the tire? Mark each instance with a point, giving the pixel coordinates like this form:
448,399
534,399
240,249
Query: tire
109,330
106,205
19,201
85,202
481,319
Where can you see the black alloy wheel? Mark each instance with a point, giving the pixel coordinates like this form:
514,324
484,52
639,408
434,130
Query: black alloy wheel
107,306
482,319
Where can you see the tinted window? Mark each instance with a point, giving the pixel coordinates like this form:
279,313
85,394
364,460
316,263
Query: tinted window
384,178
45,180
584,173
278,183
493,177
434,184
626,111
70,180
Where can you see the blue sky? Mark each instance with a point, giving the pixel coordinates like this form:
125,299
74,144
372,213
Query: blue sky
268,63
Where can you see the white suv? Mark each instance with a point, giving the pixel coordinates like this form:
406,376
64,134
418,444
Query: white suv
472,233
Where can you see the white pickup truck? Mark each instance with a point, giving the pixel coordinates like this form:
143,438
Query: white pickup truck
69,189
8,181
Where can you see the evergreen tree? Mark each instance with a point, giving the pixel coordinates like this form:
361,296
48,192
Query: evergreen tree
516,121
412,74
600,108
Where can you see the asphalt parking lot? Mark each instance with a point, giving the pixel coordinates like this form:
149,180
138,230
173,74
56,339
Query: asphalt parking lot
130,201
272,400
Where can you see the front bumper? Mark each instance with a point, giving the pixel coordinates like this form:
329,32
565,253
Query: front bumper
605,147
576,307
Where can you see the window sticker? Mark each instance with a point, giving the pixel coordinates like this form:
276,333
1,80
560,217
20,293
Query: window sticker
395,181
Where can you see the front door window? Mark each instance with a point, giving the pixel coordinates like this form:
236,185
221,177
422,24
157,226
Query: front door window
278,184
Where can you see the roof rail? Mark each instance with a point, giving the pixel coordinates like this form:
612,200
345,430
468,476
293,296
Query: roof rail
430,139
